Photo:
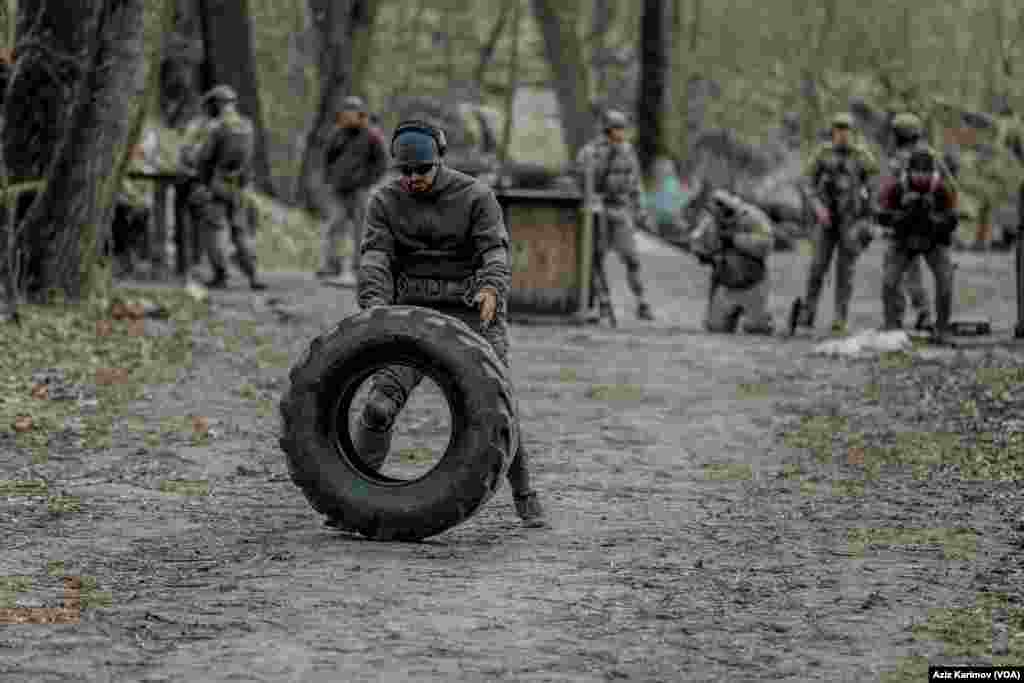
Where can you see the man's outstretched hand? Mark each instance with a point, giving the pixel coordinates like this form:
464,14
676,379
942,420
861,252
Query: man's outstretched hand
487,298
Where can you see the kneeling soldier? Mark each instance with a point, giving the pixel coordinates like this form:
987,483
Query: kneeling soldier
735,239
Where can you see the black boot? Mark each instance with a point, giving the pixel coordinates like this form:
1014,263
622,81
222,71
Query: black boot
219,281
372,435
529,509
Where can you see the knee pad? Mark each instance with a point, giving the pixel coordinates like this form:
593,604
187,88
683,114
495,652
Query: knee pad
379,413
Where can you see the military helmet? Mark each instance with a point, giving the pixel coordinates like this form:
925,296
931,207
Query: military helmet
842,120
614,118
221,93
908,124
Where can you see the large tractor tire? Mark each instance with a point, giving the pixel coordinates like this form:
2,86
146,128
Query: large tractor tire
318,443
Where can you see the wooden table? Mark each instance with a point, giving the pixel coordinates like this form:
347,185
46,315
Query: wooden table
551,268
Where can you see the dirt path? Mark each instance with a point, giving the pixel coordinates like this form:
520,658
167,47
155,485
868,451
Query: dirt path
688,541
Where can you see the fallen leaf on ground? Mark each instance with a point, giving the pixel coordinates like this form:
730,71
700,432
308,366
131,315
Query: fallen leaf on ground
23,423
108,376
118,311
137,327
135,311
41,391
104,328
855,456
201,425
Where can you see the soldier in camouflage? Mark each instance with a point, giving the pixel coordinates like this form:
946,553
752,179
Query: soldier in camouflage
222,161
919,207
735,239
908,136
617,178
435,237
839,172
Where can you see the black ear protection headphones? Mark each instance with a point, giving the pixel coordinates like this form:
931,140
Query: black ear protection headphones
421,127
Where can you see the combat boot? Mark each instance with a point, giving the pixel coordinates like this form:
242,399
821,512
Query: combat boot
840,328
372,436
924,321
219,280
529,509
329,269
644,312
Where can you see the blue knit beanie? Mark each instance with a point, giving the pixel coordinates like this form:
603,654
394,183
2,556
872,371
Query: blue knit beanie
415,147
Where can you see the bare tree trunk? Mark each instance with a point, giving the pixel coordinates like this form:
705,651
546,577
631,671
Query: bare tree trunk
654,66
363,45
228,39
600,23
183,56
338,23
564,51
513,79
490,46
415,29
69,220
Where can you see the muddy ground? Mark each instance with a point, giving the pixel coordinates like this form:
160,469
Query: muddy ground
723,508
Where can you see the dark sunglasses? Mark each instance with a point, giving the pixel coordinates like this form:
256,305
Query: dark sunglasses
415,169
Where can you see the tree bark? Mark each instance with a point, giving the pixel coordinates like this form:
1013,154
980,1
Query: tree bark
654,66
564,52
602,15
338,24
513,80
100,46
227,38
490,46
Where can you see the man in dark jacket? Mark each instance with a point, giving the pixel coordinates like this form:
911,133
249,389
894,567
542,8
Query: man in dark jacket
355,161
435,237
919,208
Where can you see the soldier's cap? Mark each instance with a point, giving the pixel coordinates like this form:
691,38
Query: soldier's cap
614,118
842,120
907,121
415,147
220,93
353,103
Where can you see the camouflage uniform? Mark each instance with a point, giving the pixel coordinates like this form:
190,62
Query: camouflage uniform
437,250
617,177
839,178
132,211
922,222
223,160
735,238
913,277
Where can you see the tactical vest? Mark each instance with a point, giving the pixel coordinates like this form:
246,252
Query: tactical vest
840,174
234,142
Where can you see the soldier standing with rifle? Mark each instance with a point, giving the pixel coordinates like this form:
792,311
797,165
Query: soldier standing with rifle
839,172
908,136
616,171
920,209
222,162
